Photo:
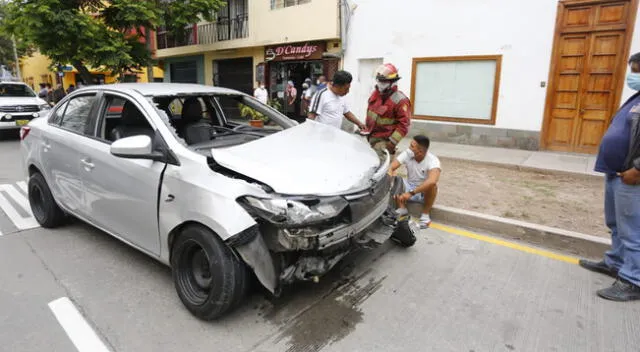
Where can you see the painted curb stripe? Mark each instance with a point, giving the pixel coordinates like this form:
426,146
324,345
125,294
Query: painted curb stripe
519,247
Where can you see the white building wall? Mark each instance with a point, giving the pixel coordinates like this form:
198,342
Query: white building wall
520,30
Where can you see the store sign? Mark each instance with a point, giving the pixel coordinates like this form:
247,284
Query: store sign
287,52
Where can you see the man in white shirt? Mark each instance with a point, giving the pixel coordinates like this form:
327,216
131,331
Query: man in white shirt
261,93
423,174
328,105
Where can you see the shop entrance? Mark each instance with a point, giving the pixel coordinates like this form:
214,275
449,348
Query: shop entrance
297,72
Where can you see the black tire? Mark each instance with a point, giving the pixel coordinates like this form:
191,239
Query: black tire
403,234
209,277
43,206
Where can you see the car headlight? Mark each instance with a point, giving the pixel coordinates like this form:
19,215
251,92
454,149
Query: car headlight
44,107
294,212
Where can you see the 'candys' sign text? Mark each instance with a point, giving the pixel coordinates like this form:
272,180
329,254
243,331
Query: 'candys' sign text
306,51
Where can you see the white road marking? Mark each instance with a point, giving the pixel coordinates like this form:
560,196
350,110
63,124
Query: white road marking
22,223
81,334
23,186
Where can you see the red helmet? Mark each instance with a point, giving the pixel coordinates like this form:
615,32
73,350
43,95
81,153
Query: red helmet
387,72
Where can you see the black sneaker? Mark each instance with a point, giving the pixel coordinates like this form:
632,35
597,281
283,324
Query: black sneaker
621,291
599,267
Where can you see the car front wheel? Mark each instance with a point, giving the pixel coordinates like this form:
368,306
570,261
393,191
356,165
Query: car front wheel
43,206
209,278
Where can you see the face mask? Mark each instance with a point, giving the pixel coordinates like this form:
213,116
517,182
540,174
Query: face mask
633,81
382,86
262,86
318,82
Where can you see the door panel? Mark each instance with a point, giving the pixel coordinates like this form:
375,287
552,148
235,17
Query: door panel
121,194
597,102
587,70
566,99
60,148
615,13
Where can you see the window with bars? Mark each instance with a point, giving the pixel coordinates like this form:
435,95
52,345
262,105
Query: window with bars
278,4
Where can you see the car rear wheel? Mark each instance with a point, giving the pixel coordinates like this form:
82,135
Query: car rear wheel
44,208
209,278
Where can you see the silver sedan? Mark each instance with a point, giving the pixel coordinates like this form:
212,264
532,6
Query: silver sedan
212,183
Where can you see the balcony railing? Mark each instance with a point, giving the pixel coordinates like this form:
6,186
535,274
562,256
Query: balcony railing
224,29
168,40
208,33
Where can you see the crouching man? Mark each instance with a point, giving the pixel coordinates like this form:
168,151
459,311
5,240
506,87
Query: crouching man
421,184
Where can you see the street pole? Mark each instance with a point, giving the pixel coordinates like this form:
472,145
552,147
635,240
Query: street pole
15,55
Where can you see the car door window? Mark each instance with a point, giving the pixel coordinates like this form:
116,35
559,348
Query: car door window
76,114
56,118
122,118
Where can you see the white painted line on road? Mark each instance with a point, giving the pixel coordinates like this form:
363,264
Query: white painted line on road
23,186
20,222
76,327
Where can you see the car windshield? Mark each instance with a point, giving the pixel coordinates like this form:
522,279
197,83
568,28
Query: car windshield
16,90
198,119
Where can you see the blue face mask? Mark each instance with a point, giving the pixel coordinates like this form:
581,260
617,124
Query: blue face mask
633,80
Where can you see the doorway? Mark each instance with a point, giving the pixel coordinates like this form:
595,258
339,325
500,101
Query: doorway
297,72
234,74
587,72
184,72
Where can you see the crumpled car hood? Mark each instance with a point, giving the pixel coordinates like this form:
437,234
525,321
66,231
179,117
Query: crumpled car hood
309,159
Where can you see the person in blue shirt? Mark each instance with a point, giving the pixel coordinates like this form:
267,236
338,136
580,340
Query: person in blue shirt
619,159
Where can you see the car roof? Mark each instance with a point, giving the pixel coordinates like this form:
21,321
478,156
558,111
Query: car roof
160,89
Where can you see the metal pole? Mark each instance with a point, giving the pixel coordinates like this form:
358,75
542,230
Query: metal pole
15,55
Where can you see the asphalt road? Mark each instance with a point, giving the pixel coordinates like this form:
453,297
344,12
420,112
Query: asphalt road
452,291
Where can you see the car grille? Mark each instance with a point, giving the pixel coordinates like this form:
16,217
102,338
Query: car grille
363,205
19,108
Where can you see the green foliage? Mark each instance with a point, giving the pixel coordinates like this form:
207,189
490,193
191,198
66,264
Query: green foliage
96,33
254,114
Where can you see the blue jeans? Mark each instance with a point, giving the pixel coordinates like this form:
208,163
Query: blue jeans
622,216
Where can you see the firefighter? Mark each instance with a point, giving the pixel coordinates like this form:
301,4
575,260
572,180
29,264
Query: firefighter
388,112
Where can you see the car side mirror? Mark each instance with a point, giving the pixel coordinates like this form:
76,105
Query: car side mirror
135,147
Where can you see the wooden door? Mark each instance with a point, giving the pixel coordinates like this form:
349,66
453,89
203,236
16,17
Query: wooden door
587,73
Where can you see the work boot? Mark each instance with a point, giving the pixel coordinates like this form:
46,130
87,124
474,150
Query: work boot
621,291
599,267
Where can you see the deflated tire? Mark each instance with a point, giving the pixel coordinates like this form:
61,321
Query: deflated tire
209,278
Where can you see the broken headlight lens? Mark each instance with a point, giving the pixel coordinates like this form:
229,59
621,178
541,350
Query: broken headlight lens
294,212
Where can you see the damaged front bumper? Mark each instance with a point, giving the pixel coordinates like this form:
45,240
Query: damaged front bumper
285,249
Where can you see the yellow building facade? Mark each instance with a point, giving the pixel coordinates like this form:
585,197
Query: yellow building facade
37,69
273,42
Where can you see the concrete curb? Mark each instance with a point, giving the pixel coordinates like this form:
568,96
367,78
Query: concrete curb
579,175
569,242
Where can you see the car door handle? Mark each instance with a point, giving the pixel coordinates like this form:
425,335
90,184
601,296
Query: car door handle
46,146
87,164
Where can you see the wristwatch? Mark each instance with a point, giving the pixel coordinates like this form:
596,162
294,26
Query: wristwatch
412,193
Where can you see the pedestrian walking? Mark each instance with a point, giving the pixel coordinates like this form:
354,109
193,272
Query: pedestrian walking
328,105
619,159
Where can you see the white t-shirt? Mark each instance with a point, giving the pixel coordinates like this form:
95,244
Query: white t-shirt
417,172
261,94
329,107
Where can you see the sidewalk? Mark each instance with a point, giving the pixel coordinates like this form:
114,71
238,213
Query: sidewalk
562,240
541,160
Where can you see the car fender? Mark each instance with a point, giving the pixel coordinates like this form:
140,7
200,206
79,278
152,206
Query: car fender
210,200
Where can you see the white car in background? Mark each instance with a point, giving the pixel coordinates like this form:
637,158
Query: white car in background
19,104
